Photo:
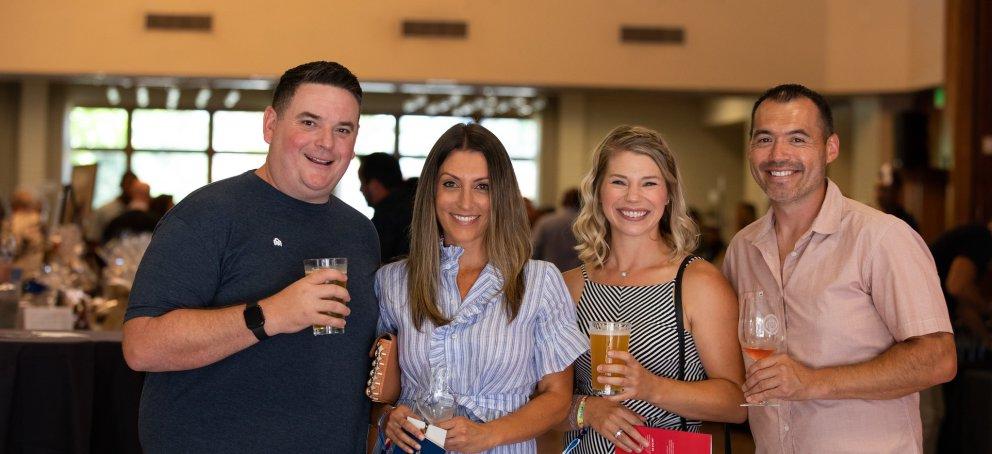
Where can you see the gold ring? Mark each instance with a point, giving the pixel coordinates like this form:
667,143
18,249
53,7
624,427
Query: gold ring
618,434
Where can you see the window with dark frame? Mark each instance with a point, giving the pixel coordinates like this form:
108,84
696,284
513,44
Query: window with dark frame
178,151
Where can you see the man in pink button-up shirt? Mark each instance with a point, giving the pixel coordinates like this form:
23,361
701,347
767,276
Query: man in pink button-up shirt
866,323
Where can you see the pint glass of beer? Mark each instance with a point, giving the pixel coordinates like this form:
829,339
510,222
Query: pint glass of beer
603,337
334,263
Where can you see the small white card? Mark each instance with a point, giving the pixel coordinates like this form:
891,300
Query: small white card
416,422
433,433
48,318
436,434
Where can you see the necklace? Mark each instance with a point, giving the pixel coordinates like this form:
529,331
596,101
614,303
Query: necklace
623,274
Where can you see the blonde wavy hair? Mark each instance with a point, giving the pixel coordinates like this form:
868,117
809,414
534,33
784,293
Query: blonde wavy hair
507,237
592,230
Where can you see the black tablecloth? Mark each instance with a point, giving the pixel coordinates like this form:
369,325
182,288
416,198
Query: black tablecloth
69,394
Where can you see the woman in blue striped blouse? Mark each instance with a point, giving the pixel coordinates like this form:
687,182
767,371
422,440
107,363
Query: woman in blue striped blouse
469,302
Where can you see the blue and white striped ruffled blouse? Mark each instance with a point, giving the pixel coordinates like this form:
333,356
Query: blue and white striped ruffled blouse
493,366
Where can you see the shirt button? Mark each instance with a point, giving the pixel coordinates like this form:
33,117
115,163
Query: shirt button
454,336
786,427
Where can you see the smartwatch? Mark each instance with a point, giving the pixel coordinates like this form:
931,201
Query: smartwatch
255,320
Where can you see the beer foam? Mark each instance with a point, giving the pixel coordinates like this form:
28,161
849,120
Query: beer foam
606,332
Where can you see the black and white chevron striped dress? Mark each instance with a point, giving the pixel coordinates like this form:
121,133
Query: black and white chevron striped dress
653,341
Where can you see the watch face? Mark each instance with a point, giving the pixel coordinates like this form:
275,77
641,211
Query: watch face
253,316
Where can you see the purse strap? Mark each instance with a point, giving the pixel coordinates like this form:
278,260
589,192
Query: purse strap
680,327
727,448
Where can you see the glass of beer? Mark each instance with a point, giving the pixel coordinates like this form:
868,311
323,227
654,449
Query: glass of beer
762,329
603,337
334,263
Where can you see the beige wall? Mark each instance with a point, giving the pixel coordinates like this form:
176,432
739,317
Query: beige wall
832,45
32,132
926,43
899,46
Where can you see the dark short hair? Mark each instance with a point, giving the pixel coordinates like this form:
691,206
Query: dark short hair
315,72
788,92
126,178
160,205
380,166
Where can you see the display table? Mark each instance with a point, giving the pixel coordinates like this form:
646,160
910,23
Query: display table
67,392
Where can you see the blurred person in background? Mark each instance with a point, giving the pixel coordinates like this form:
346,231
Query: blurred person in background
385,191
964,264
160,205
553,238
711,245
27,228
963,256
8,244
137,218
744,215
888,195
98,219
531,211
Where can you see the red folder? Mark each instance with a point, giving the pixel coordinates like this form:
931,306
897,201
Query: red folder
665,441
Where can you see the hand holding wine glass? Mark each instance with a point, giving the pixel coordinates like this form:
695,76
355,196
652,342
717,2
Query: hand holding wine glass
438,404
762,328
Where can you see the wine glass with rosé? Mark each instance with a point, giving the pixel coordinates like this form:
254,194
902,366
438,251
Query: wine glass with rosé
762,329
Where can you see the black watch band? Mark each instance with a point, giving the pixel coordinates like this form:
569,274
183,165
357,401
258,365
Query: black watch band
255,320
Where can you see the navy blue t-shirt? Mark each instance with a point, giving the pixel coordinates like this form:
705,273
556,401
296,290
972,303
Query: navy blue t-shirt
239,240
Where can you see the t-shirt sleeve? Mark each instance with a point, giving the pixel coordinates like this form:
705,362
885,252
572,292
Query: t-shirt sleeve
179,270
904,285
559,341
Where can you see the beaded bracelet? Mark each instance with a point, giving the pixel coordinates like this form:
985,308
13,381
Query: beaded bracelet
381,439
385,414
580,413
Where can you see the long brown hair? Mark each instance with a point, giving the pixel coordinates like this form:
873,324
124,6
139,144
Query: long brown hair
506,239
591,228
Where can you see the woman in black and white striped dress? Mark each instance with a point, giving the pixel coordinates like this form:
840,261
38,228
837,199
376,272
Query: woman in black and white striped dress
634,236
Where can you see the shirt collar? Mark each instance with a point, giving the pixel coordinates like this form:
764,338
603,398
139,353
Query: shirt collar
764,227
449,260
450,255
486,289
827,221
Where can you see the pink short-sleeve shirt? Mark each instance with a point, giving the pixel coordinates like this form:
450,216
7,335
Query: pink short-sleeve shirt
855,284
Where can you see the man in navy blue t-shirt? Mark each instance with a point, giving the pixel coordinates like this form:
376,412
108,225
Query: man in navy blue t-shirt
220,314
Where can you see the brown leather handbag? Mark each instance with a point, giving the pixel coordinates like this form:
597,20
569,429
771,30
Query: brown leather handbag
384,378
